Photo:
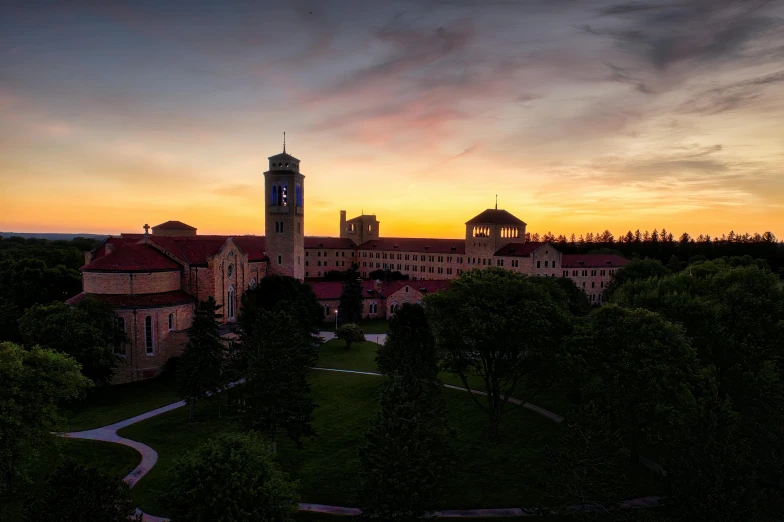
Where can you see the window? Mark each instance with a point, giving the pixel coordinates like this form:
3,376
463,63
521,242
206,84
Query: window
230,302
230,271
119,347
538,264
394,308
148,335
545,263
448,270
274,200
602,272
593,272
326,310
574,272
171,321
280,260
373,307
566,273
253,281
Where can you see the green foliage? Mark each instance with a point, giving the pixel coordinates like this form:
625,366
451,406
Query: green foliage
77,493
200,370
350,333
588,467
636,270
32,384
270,292
88,332
276,360
350,307
576,299
28,281
409,348
406,452
639,369
230,478
500,326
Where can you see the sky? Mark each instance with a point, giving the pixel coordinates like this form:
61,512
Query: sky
580,115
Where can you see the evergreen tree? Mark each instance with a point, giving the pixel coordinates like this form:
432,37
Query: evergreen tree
350,333
278,357
200,371
350,307
409,348
406,452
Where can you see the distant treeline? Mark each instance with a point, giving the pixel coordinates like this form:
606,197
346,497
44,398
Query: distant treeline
37,271
668,249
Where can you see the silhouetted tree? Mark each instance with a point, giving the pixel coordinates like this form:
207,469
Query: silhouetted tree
409,348
350,307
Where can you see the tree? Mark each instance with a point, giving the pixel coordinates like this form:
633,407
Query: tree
270,292
406,451
229,478
33,382
588,467
350,307
88,332
410,348
200,370
500,326
76,493
350,333
639,369
636,270
278,357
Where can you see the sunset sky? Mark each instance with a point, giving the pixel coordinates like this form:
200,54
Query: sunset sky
582,115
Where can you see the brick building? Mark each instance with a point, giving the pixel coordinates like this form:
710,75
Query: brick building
153,280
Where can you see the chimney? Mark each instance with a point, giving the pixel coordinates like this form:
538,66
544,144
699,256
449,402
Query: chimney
342,223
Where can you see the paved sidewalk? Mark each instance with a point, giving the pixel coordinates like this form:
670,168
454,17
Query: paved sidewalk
150,458
373,338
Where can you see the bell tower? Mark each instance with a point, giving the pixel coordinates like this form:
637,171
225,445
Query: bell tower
284,217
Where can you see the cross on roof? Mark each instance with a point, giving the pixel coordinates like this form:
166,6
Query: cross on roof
146,228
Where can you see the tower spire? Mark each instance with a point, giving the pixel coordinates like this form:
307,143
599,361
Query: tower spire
284,142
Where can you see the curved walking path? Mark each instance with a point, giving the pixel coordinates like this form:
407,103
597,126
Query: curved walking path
150,458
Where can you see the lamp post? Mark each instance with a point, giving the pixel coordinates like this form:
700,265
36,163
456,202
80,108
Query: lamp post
336,319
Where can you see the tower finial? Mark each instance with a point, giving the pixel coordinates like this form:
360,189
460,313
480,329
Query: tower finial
496,201
284,142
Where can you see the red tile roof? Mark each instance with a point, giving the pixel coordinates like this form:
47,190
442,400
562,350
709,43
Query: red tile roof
195,250
495,216
316,242
423,245
519,249
130,257
333,289
592,261
174,225
160,300
253,246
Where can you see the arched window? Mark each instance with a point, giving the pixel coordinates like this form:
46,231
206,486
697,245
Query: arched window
394,308
280,196
171,321
119,347
373,307
253,283
326,310
148,335
230,271
230,302
274,195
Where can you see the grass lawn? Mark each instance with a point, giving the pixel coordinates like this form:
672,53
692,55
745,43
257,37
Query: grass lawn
362,356
110,404
114,459
327,466
369,326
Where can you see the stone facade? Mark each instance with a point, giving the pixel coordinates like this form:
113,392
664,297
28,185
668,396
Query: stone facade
154,281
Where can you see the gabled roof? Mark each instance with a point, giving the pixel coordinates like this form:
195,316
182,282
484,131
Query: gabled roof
328,242
333,289
196,250
592,261
119,301
174,225
423,245
519,249
252,246
423,286
130,257
495,216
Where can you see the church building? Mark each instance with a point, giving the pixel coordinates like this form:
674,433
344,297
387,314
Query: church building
154,279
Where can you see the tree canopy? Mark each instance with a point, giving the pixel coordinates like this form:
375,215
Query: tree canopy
272,290
229,478
33,383
409,348
500,326
350,333
350,307
88,332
